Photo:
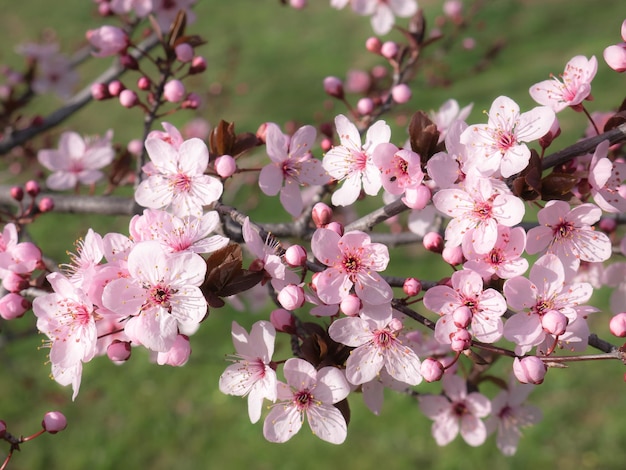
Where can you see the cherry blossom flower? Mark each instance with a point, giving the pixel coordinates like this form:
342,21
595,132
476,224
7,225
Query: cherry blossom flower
486,307
378,344
383,12
503,260
509,414
353,260
16,257
446,168
179,182
292,165
400,168
352,162
500,144
311,393
545,291
77,160
479,207
161,295
108,40
456,411
141,7
573,90
447,114
569,234
252,374
605,179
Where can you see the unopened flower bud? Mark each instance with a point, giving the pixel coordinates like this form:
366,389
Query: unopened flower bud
192,101
13,306
373,44
365,106
54,421
225,166
432,370
100,91
32,188
322,214
135,147
412,287
389,49
333,86
433,241
460,340
184,52
401,93
298,4
326,144
529,370
46,204
198,65
554,322
143,83
291,297
283,320
174,91
350,305
335,227
462,317
116,87
128,98
119,351
295,256
17,193
129,62
452,255
608,225
617,325
417,198
14,282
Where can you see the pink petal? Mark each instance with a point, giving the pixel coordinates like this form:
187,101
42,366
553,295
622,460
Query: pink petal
327,423
282,423
271,179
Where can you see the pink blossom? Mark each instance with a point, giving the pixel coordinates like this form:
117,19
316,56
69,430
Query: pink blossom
161,295
178,354
378,344
292,166
383,12
311,393
456,411
447,114
251,374
605,179
353,260
77,160
569,234
178,181
171,135
486,307
500,144
15,257
503,260
575,87
141,7
108,40
352,162
544,291
509,415
400,168
479,207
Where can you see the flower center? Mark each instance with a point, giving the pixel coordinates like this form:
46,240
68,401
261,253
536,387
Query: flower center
303,400
564,230
383,338
460,409
182,183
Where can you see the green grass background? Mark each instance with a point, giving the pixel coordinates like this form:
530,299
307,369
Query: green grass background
270,62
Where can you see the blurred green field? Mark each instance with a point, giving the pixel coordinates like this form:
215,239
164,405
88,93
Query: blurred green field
270,62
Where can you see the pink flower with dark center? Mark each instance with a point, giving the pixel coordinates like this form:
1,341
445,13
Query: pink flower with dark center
456,411
352,162
312,393
479,207
378,344
353,260
251,374
500,144
178,182
400,168
605,179
486,307
575,87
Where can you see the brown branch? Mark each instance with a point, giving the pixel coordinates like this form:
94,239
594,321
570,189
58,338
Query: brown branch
367,222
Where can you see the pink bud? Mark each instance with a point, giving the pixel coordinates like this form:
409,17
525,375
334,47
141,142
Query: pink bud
460,340
453,8
116,87
432,370
401,93
32,188
198,65
192,101
608,225
295,256
46,204
17,193
13,306
373,44
417,198
333,86
178,355
54,421
529,370
14,282
100,91
298,4
617,325
135,147
291,297
174,91
119,351
452,255
143,83
379,71
468,43
554,322
433,241
357,81
283,320
365,106
412,287
389,49
225,166
326,144
128,98
184,52
335,227
462,317
395,325
322,214
351,305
